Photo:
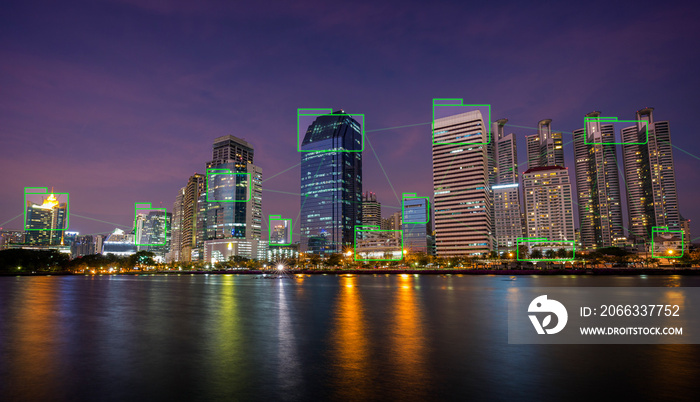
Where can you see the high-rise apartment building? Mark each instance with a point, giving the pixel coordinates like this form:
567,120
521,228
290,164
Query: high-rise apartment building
45,223
462,195
545,148
548,204
191,232
507,216
650,176
176,227
371,209
393,222
331,183
597,184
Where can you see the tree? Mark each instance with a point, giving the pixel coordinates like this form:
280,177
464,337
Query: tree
535,254
550,254
315,259
562,253
334,260
522,251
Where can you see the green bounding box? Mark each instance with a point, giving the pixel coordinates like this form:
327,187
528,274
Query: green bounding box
411,196
546,244
664,242
459,103
33,194
214,178
318,112
378,244
146,206
612,120
286,227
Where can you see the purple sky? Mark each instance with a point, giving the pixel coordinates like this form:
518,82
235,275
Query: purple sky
117,102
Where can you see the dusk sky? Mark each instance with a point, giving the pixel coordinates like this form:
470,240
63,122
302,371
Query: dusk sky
117,102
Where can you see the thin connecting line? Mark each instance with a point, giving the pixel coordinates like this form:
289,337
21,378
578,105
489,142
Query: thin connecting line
6,222
382,167
99,220
397,127
284,171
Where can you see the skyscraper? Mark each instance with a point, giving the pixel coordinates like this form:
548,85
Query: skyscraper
191,233
507,216
234,191
152,231
548,204
46,222
416,225
597,183
331,183
461,185
371,209
545,148
650,176
176,227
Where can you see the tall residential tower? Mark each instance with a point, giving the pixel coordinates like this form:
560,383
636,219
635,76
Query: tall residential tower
462,210
650,176
597,184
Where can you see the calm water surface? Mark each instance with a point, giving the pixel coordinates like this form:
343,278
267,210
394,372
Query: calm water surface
229,337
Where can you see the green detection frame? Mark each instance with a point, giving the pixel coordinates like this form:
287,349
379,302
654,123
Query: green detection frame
375,228
317,112
212,172
523,240
665,229
612,120
410,196
149,207
441,102
269,230
43,191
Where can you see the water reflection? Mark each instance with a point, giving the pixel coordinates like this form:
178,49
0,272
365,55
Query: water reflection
408,340
288,369
33,372
351,367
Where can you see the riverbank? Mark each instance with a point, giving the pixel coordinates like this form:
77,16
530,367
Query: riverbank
509,272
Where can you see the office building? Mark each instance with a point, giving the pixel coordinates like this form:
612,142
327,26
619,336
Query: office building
45,223
152,229
416,225
548,204
234,200
507,215
331,183
462,196
545,148
598,184
650,176
280,232
221,250
119,243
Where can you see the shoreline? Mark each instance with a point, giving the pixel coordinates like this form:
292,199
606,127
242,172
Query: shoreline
508,272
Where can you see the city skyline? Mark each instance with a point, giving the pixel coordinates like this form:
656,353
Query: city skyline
108,137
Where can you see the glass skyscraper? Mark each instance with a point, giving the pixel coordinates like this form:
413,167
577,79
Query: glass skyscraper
415,235
331,183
